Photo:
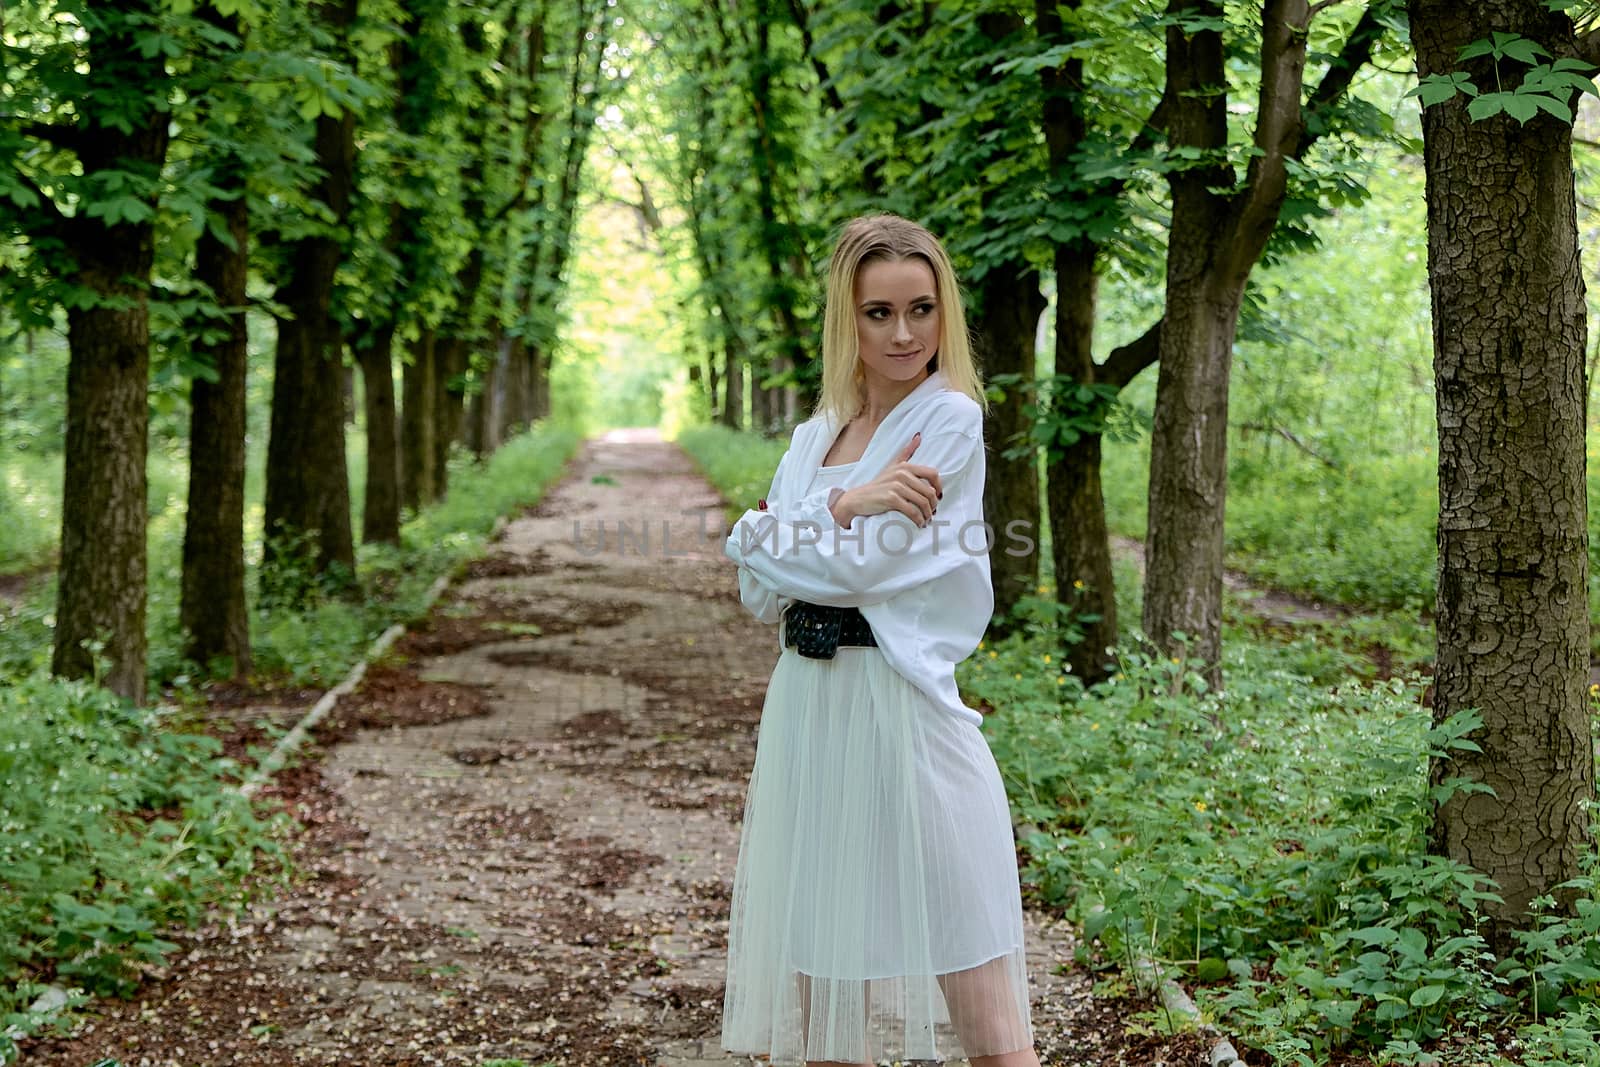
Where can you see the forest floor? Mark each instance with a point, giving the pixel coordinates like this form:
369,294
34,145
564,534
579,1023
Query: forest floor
518,836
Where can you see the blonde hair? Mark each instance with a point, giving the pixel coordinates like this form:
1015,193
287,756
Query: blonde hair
888,237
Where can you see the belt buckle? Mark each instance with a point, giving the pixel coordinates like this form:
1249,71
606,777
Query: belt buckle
817,634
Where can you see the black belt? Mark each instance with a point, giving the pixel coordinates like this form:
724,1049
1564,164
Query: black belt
817,631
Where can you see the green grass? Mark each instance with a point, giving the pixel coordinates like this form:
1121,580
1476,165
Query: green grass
318,644
739,464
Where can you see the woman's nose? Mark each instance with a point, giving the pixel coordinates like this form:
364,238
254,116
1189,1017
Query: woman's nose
902,331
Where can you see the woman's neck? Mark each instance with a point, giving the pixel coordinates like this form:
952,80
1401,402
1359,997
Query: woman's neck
883,396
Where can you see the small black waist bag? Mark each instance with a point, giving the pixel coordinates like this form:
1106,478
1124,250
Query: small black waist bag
817,630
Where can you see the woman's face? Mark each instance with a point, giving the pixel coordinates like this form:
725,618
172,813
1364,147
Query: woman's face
897,318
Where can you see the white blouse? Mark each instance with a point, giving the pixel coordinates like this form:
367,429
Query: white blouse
925,591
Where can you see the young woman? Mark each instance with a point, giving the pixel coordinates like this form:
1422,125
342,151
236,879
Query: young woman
876,911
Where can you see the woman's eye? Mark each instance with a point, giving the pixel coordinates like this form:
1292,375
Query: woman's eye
924,309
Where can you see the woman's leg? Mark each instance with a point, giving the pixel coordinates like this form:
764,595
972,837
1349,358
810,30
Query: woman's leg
983,1008
805,1026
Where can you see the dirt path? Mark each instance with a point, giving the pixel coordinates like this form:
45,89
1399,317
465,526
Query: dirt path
520,844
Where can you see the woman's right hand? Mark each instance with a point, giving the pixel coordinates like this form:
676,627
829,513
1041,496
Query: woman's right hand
909,488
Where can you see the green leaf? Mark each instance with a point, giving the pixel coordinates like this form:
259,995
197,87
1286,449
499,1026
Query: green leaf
1522,108
1486,105
1437,88
21,195
1427,996
1524,50
1556,107
119,209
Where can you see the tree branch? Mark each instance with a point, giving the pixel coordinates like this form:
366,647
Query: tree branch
1256,427
1124,364
802,19
1356,53
1587,48
1280,124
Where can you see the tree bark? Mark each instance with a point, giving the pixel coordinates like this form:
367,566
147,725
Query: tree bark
419,422
103,575
538,384
732,413
1009,305
1188,447
380,512
450,362
308,482
518,389
213,611
102,579
1080,542
760,402
483,413
1509,341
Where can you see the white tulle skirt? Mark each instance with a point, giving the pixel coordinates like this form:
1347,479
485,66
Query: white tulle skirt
876,911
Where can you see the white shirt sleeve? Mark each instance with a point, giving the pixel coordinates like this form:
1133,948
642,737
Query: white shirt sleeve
799,551
760,599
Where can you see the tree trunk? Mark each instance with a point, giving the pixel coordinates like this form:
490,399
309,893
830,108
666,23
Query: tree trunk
733,389
1214,242
1188,446
482,409
776,236
1009,305
101,595
1079,542
709,376
518,387
760,402
538,384
102,579
419,421
449,363
1509,342
213,611
308,482
380,513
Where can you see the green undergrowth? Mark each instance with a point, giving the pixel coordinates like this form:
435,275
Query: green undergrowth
317,642
1268,844
1265,844
116,824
